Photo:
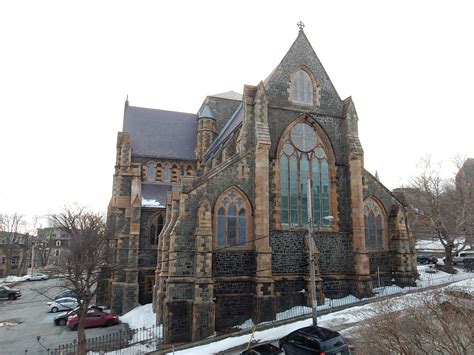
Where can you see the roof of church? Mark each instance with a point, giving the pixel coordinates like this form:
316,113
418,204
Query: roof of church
159,133
226,132
231,95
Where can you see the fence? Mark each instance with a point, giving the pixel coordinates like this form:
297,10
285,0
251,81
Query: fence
140,341
428,278
129,341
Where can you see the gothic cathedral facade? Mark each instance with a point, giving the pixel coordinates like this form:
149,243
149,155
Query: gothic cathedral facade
210,211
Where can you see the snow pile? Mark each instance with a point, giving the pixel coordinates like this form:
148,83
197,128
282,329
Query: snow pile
151,203
140,317
12,278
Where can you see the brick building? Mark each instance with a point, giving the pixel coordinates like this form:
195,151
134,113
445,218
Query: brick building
210,210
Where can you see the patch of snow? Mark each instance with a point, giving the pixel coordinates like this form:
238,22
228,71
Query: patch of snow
151,203
140,317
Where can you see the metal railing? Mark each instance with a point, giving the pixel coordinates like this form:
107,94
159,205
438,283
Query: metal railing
131,341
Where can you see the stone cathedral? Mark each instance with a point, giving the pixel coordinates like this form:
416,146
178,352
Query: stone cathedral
210,210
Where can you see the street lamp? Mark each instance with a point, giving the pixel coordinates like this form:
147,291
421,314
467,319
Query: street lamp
312,247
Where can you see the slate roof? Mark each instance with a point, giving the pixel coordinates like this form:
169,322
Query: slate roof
226,132
154,195
159,133
231,95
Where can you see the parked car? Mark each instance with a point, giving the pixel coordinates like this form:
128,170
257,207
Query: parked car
61,319
314,339
94,318
67,293
10,293
260,349
462,257
62,304
426,259
39,276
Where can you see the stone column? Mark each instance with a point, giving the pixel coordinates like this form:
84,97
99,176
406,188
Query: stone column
203,307
363,281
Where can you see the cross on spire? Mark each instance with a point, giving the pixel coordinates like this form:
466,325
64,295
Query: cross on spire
300,25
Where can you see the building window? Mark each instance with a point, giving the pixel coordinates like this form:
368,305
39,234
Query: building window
58,243
156,226
303,156
233,219
151,172
4,260
14,260
375,230
166,173
301,88
56,252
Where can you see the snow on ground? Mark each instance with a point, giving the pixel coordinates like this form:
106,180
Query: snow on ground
429,245
11,278
344,317
140,317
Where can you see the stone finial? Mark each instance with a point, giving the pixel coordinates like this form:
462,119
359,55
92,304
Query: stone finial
300,25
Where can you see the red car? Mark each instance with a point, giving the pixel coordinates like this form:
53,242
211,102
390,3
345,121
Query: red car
94,318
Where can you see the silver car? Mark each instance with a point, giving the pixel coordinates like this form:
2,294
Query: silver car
62,304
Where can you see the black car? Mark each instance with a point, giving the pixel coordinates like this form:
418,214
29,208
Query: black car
67,293
61,319
314,340
10,293
262,349
426,259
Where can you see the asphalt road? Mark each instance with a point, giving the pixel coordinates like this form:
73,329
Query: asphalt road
23,320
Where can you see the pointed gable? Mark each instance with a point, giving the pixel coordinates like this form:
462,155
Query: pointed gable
301,56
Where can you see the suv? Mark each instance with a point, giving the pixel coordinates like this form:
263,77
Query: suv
314,339
10,293
426,259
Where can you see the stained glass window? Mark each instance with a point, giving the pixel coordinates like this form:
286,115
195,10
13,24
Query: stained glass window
374,224
301,87
232,220
303,156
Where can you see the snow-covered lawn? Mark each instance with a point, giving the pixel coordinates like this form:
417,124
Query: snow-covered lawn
140,317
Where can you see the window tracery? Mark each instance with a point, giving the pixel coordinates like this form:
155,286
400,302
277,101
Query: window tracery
233,219
375,224
301,87
303,158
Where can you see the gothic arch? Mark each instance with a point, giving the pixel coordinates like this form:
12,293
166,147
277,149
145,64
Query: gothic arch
303,150
375,224
154,227
314,86
233,220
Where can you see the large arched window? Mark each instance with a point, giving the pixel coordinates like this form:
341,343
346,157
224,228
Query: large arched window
303,158
233,219
375,229
301,87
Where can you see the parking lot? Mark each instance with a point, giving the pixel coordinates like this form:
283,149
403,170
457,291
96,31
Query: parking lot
24,319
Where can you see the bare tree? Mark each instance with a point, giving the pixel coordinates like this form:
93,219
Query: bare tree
445,209
87,252
12,238
427,325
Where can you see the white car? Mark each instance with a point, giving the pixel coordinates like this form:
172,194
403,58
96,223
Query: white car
62,304
37,277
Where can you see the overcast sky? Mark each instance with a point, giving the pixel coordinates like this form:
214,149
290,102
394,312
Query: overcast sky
66,68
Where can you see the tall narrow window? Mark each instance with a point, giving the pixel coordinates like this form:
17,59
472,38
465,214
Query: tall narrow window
301,88
152,234
159,225
232,219
284,188
302,158
221,227
375,229
166,173
151,172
